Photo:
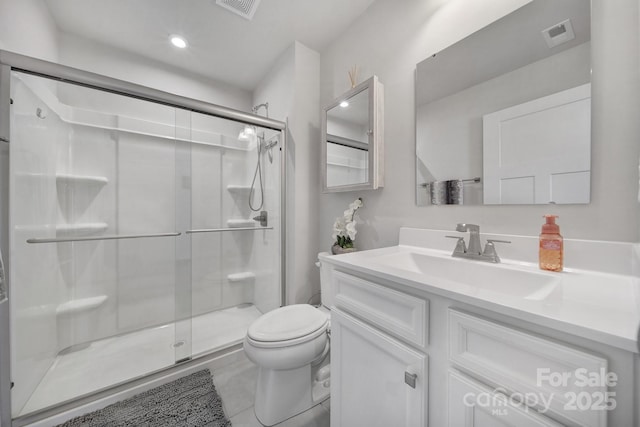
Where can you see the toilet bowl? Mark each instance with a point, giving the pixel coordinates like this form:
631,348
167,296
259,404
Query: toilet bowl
290,345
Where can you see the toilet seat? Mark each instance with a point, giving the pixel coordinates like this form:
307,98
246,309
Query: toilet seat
287,326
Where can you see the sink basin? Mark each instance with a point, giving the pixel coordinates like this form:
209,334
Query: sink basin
480,276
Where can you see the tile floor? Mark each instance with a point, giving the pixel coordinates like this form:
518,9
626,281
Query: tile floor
236,384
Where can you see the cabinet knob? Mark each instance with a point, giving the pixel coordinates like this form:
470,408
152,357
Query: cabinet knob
410,379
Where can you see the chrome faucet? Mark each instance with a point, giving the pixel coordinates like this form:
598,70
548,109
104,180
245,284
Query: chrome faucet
474,237
489,253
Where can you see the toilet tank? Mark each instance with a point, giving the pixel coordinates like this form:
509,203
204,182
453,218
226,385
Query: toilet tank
326,282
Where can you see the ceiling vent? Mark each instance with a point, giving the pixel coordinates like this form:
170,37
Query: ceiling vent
244,8
558,34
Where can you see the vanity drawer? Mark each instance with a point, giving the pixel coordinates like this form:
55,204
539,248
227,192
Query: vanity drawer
530,366
472,404
402,315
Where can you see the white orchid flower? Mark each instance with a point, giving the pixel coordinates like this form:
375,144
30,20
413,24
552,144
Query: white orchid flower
339,227
351,230
355,205
344,228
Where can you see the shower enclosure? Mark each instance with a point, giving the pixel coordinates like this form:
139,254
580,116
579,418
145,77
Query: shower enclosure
128,239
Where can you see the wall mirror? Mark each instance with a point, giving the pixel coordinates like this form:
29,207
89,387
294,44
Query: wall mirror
504,115
352,139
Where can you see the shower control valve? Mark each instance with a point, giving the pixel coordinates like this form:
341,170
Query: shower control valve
262,218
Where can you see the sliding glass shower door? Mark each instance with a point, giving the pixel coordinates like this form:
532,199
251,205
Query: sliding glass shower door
235,259
133,243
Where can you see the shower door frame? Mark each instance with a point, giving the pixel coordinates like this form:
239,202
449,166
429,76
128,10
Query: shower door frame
10,61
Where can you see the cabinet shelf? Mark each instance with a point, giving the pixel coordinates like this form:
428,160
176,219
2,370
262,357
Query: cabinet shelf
345,165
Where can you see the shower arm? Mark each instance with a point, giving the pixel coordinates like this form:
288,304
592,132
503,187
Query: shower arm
264,105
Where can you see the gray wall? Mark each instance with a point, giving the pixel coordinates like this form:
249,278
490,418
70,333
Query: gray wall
389,41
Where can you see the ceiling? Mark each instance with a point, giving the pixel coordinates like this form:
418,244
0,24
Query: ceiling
222,45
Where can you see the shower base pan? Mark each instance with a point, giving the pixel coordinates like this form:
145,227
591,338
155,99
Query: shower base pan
118,359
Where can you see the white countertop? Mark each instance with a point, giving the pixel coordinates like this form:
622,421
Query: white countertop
599,305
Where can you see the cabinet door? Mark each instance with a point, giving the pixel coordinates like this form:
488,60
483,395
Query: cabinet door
472,404
371,377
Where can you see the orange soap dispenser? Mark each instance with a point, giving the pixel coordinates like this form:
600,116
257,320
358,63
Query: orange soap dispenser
550,245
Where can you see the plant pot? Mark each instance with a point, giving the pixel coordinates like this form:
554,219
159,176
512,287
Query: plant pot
337,250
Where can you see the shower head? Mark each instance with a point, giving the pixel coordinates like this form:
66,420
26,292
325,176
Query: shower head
270,143
267,145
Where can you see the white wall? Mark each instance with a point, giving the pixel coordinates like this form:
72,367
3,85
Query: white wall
26,27
292,89
389,41
102,59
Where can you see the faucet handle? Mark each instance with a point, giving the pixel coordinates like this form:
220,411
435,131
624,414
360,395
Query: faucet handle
461,246
497,241
490,249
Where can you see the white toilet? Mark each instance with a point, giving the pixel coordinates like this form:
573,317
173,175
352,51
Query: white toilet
290,345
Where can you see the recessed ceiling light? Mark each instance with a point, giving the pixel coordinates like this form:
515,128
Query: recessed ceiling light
178,41
344,104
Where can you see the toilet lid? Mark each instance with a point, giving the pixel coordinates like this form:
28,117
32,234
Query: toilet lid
287,323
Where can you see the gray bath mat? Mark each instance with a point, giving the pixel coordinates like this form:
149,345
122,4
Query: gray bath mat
189,401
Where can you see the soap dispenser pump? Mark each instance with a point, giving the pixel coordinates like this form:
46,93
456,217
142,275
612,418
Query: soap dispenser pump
551,245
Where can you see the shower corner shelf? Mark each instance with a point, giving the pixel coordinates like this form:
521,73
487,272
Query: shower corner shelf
81,179
81,304
80,229
238,189
241,277
240,223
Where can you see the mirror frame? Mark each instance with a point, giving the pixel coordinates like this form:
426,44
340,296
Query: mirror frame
376,137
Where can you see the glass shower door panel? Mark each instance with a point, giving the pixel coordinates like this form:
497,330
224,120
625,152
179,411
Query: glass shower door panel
93,238
35,280
182,292
235,260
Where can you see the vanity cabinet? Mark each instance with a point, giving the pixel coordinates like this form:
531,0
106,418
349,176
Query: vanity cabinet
402,356
527,365
378,377
377,381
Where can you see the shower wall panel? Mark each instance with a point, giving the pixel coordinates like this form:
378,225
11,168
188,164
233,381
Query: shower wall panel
145,205
266,245
237,247
88,268
206,186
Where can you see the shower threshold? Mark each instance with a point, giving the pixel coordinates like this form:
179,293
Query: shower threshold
121,358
